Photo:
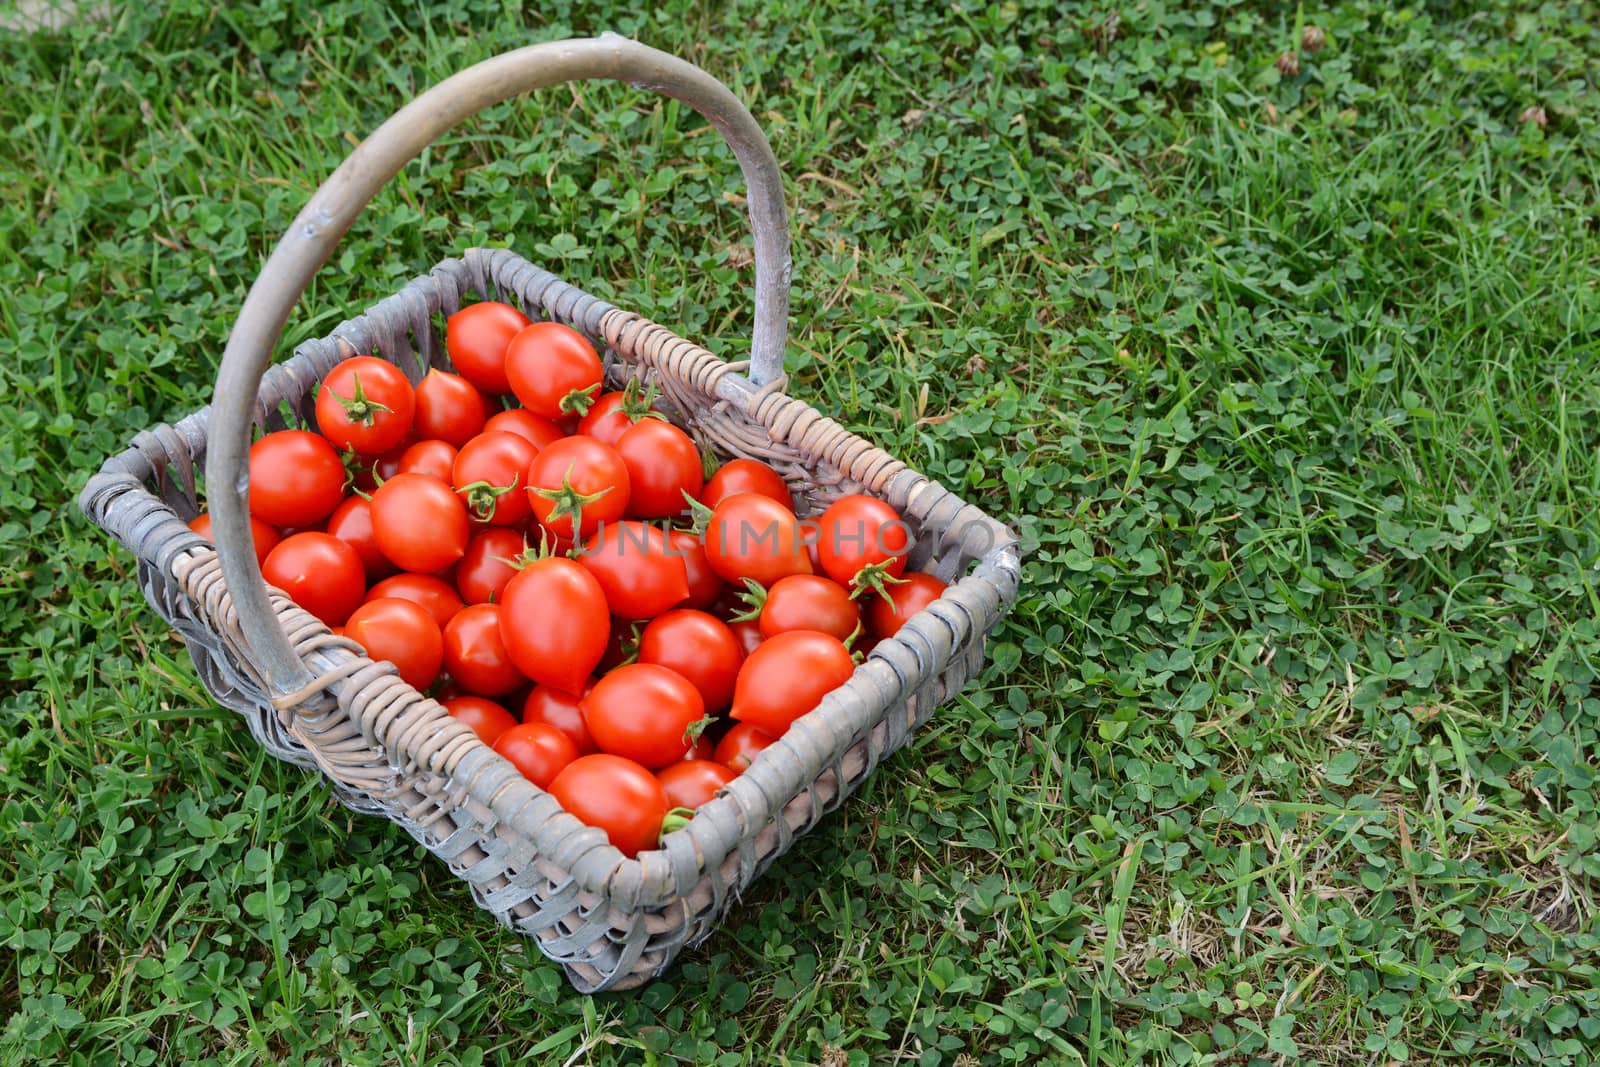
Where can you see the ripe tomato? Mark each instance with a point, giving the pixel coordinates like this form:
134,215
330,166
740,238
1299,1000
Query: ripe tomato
746,476
475,653
560,709
787,676
540,752
748,633
296,478
577,476
433,458
489,563
704,585
740,745
524,423
700,648
263,537
754,536
490,475
486,718
703,748
419,523
889,610
809,602
435,595
663,464
320,573
643,712
634,564
615,413
449,408
615,795
553,369
554,622
690,783
365,405
476,338
862,533
623,646
401,632
351,522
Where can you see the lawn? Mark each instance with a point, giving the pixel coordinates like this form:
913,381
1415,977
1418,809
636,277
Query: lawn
1290,375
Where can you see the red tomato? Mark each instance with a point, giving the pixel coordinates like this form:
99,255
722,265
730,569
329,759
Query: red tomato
433,458
419,523
704,585
754,536
476,338
490,475
489,563
475,653
703,748
787,677
746,476
862,533
263,537
554,622
623,646
663,464
365,405
296,478
560,709
809,602
748,633
401,632
540,752
643,712
553,369
700,648
577,475
740,745
520,421
615,413
449,408
351,522
438,597
690,783
486,718
641,575
320,573
615,795
889,610
379,469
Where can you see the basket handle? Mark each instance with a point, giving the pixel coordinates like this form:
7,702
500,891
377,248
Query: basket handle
333,207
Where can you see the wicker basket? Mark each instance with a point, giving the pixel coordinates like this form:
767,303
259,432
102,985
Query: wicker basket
315,700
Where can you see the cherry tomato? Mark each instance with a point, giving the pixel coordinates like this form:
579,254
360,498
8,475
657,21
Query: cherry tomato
438,597
524,423
787,677
419,523
490,475
351,522
754,536
740,745
553,369
748,633
475,653
643,711
890,610
554,622
663,464
449,408
433,458
263,537
577,475
319,572
615,413
489,563
555,707
486,718
476,338
690,783
809,602
704,585
296,478
540,752
365,405
401,632
862,533
700,648
641,575
615,795
746,476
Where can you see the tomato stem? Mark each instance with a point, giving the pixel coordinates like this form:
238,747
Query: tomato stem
755,595
569,503
482,497
358,407
579,401
699,514
676,819
874,578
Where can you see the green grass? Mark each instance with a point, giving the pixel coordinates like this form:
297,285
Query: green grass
1287,752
